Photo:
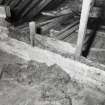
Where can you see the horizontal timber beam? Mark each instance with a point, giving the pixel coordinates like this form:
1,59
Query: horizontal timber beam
55,45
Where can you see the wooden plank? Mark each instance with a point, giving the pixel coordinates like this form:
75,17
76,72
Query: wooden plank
59,19
67,28
85,74
86,7
55,13
25,6
49,26
68,32
55,22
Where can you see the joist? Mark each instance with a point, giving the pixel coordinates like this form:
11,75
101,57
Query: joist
31,6
22,7
38,8
68,30
49,26
54,22
86,7
83,73
13,3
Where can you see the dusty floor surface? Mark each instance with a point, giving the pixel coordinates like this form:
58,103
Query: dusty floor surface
32,83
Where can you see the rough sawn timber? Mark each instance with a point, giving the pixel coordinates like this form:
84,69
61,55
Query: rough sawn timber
86,7
83,73
55,45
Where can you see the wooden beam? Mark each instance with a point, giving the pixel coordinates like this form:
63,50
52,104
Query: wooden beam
55,13
56,21
4,11
59,19
32,26
67,28
86,7
36,9
51,44
55,45
30,8
85,74
21,6
68,32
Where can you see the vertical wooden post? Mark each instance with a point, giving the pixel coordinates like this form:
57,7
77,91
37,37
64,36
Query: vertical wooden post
5,12
32,26
86,6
